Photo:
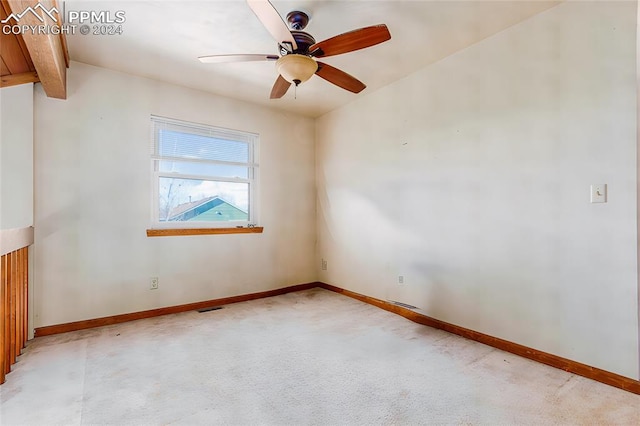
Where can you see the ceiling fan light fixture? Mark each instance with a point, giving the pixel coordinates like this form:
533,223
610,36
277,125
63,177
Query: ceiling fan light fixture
296,68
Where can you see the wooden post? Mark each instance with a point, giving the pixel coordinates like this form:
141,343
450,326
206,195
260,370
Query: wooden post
14,297
18,302
3,281
12,286
25,298
7,315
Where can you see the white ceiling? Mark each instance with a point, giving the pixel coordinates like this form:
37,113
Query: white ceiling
162,39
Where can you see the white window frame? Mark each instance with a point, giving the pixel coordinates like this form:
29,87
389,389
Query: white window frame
252,139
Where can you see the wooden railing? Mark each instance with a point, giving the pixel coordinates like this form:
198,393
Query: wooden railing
14,296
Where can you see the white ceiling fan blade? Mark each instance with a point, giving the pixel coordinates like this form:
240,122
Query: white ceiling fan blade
271,19
218,59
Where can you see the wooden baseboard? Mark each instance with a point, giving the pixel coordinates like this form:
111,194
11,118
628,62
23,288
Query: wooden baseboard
565,364
116,319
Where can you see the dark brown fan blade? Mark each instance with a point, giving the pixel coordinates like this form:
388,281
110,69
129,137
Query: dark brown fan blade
280,87
353,40
339,78
272,21
217,59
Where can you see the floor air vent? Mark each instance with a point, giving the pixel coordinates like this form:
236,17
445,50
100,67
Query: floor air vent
213,308
404,305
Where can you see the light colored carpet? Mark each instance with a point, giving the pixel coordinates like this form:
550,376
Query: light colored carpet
312,357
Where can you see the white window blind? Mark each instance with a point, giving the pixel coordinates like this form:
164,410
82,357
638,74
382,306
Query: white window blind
203,175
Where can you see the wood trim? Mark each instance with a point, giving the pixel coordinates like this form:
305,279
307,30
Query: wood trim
13,308
116,319
565,364
177,232
16,79
25,294
638,169
25,52
4,279
63,38
19,302
14,305
12,55
6,303
4,69
12,51
46,51
15,239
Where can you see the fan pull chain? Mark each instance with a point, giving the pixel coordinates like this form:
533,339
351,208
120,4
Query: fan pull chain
295,92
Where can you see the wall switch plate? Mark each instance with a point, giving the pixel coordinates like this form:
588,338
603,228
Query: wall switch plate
324,265
153,283
400,279
599,193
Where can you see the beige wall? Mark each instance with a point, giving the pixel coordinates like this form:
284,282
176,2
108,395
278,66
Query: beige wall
16,174
93,202
16,156
471,179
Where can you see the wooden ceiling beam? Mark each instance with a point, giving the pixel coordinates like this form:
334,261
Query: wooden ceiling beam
15,79
46,50
63,38
12,55
4,69
12,49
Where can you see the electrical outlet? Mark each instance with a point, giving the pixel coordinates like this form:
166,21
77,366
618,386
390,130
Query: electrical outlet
324,265
400,279
153,283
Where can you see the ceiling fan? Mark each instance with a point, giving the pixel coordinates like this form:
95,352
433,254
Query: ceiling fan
296,61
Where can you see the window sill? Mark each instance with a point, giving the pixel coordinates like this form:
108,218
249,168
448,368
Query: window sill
201,231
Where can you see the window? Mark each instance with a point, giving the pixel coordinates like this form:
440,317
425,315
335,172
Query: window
203,176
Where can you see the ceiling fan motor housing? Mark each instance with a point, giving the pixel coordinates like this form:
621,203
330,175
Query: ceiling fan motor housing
297,20
297,66
303,40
